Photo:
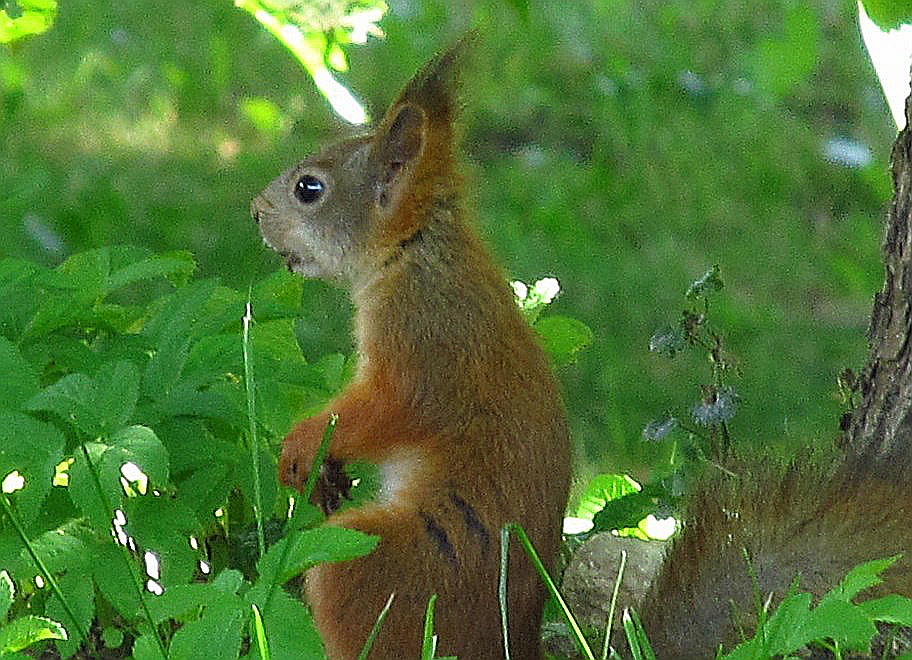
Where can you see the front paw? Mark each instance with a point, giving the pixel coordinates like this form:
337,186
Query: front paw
298,454
333,486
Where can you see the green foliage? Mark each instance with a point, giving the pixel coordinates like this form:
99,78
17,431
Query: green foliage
25,631
888,14
25,18
429,641
562,337
615,502
315,34
835,622
128,418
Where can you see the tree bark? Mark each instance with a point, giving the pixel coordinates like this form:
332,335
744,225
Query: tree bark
878,434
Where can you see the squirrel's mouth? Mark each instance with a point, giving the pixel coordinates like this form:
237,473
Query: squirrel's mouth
301,265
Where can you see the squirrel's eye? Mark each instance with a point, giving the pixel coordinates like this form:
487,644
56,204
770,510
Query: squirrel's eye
309,189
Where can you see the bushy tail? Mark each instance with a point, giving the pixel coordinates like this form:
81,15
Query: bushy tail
812,523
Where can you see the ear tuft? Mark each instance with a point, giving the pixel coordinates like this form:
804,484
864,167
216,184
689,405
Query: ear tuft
434,88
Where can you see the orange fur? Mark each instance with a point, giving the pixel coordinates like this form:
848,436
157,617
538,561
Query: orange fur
453,399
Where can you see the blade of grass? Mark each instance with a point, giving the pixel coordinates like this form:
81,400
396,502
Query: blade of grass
375,630
260,634
612,608
251,417
429,642
549,584
502,589
640,647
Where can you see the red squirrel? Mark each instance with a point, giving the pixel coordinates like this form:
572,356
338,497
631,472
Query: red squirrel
453,398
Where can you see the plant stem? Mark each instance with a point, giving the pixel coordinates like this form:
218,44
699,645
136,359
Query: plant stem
131,569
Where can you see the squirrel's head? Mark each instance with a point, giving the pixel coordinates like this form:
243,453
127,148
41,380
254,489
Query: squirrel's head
347,210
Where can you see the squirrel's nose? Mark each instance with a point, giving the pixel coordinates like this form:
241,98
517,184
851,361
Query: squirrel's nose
259,207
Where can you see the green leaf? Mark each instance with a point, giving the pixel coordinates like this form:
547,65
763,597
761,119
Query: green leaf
624,513
182,602
889,609
834,619
18,379
87,273
888,14
163,525
636,636
602,489
146,648
311,547
278,296
79,591
59,549
36,17
135,444
860,578
33,448
175,266
563,337
429,640
112,577
72,398
165,368
96,406
7,591
112,637
216,634
28,630
290,630
17,281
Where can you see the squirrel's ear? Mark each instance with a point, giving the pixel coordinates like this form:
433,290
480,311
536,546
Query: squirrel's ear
419,123
399,145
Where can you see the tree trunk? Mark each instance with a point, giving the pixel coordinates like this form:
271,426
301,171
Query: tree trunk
880,426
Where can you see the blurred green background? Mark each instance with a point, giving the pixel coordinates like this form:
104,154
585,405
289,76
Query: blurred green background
624,147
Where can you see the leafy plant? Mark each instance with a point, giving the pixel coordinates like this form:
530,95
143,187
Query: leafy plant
129,444
834,623
25,631
563,337
706,427
138,407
